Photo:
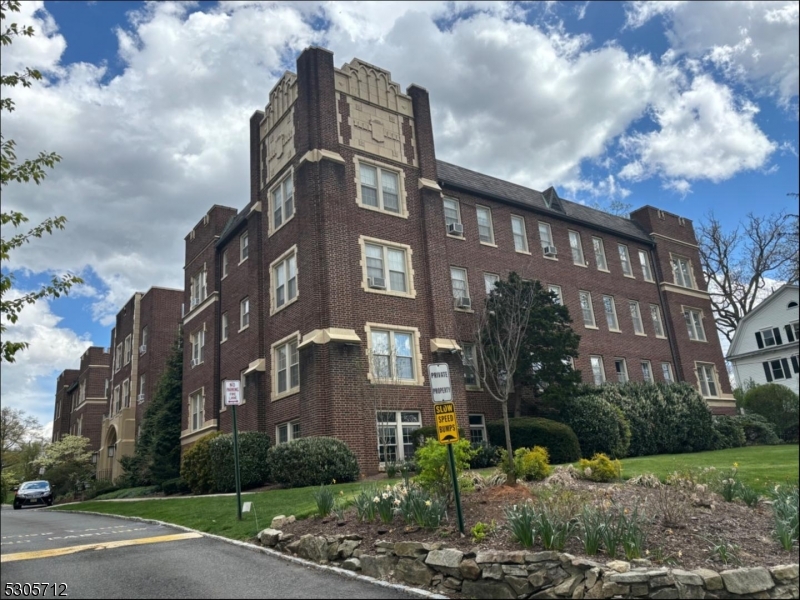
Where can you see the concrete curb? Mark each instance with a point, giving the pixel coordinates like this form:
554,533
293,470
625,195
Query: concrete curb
269,551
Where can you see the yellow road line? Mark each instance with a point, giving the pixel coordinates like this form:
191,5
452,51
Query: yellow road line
99,546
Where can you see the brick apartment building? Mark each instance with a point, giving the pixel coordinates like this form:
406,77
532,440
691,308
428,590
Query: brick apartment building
360,257
145,331
81,397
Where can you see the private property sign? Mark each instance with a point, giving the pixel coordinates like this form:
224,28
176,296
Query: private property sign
232,395
441,390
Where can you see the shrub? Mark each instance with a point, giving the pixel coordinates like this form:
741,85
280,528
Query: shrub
313,461
778,405
532,464
599,425
196,468
527,432
757,430
433,467
253,460
484,456
600,468
728,433
175,486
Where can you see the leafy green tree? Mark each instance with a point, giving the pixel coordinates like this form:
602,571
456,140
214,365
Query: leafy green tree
16,428
67,464
12,170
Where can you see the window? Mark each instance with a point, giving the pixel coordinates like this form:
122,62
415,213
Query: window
143,338
636,317
244,314
224,327
666,371
452,213
199,290
387,268
126,393
599,254
795,362
392,355
682,272
611,313
598,373
520,237
282,202
793,331
489,281
655,315
379,187
647,371
485,230
284,280
198,341
105,388
197,407
694,324
706,375
285,367
128,348
458,279
140,397
394,435
777,369
117,400
546,238
769,337
469,362
224,264
244,247
577,248
477,429
625,260
287,432
586,309
621,367
118,358
647,271
556,289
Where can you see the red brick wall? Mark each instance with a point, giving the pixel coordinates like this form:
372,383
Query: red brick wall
61,423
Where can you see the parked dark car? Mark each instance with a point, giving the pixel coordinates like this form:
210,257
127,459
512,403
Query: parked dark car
33,492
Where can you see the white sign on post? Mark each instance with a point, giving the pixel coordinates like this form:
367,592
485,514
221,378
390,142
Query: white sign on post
232,394
439,374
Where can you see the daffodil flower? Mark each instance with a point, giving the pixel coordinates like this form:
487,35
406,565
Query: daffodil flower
427,503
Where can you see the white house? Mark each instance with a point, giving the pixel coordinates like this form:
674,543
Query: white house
765,345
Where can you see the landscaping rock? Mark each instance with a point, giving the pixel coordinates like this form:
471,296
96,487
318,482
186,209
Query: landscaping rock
312,548
784,591
520,585
641,562
352,564
409,549
493,590
446,561
629,577
413,572
537,579
281,520
378,567
639,590
611,589
501,557
584,564
664,579
493,572
469,569
747,581
538,557
347,547
452,583
568,586
596,591
784,573
292,546
691,592
711,579
270,537
515,571
549,593
384,544
620,566
686,577
352,537
592,575
666,593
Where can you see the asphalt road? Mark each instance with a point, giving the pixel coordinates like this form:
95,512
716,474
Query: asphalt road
126,559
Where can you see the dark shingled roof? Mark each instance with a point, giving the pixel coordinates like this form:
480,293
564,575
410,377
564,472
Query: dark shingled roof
485,185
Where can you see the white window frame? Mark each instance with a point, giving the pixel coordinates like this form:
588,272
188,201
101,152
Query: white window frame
636,317
275,351
244,247
143,337
588,296
224,264
784,374
198,342
599,254
647,371
666,372
706,377
682,271
140,389
197,409
546,238
469,361
489,281
655,317
126,393
625,260
448,220
612,314
118,357
291,434
198,288
128,348
117,404
380,168
694,324
556,289
598,370
576,248
244,313
416,356
408,253
477,427
622,374
283,262
773,338
224,327
520,237
280,186
647,267
399,426
466,282
488,213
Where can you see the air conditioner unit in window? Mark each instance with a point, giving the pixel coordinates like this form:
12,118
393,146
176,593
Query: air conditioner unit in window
195,362
464,302
142,348
140,398
455,229
550,251
376,283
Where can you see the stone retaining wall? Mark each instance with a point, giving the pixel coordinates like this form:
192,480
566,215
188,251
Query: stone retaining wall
524,574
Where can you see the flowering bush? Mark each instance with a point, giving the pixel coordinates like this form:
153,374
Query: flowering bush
532,464
600,468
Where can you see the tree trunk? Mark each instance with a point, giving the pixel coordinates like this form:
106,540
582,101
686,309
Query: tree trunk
511,475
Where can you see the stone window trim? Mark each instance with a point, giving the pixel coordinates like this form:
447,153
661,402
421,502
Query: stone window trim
401,192
697,328
625,259
706,374
419,377
492,243
599,249
679,276
244,247
272,280
523,234
290,391
459,220
197,339
546,242
198,287
289,174
290,431
576,249
409,253
400,427
199,394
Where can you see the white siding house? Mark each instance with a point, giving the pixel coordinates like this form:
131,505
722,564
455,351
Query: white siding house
765,345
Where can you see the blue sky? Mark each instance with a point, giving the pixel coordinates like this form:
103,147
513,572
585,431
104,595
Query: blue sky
691,107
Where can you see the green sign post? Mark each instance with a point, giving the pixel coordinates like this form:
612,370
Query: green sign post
233,399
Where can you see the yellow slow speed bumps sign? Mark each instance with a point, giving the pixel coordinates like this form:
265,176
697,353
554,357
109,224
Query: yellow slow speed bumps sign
446,424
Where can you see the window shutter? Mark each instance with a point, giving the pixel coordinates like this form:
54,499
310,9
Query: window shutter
767,371
777,332
789,333
786,372
759,341
795,364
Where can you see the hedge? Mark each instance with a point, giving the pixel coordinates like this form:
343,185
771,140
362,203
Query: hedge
313,461
728,433
253,460
196,465
527,432
757,430
601,427
778,405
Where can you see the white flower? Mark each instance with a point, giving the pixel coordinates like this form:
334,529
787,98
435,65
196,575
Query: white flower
388,487
376,499
385,496
427,502
397,502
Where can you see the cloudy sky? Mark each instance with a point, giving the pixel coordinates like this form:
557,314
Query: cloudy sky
688,106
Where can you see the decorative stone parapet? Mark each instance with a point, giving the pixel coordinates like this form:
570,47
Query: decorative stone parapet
521,574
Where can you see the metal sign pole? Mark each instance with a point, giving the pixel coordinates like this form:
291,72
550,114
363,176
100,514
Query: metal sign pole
236,466
454,476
